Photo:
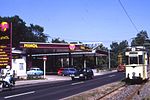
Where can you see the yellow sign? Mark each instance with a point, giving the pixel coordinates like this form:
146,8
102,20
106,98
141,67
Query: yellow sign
30,46
82,47
4,37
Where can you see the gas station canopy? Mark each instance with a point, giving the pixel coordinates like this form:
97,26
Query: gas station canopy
46,49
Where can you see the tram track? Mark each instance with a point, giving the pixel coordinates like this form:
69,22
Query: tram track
111,91
126,92
123,92
135,92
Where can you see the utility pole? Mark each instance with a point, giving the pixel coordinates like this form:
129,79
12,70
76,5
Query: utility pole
109,57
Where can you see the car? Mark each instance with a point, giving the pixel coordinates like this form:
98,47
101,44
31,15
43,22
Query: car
35,71
68,71
84,74
60,70
121,68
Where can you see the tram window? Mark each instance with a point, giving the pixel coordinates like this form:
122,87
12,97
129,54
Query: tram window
141,59
133,60
127,60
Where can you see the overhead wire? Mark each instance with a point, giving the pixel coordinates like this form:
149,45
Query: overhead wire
128,15
85,21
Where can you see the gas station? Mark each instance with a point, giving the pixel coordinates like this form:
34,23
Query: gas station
45,55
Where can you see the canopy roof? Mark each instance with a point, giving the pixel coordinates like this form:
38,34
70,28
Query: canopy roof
45,49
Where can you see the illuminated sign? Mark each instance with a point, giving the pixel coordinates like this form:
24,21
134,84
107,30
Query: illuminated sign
72,46
5,44
30,46
4,38
4,26
82,47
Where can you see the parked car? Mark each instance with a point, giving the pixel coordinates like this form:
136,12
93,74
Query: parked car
68,71
85,73
35,71
60,71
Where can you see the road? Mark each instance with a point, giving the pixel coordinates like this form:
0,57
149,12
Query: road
55,91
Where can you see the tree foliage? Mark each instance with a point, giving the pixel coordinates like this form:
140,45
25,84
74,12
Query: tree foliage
140,39
116,49
23,33
57,40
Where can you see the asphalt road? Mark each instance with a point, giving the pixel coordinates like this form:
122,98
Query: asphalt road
55,91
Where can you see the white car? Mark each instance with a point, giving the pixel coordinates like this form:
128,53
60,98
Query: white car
35,71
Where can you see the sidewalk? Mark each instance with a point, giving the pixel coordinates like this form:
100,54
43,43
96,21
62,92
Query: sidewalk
56,78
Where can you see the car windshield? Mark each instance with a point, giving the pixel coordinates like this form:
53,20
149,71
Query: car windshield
34,69
72,69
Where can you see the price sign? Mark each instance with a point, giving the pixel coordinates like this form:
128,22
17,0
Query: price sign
5,44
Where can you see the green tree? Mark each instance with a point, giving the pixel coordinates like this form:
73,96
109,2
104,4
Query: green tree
140,39
116,49
38,35
57,40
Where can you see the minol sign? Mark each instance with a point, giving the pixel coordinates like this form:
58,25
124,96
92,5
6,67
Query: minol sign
5,44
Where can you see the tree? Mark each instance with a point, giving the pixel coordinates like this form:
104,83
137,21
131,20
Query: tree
57,40
117,49
38,35
23,33
140,39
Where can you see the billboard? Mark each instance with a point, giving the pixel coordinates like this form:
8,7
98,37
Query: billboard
5,44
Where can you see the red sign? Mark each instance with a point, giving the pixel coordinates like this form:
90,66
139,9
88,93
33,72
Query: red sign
5,45
44,58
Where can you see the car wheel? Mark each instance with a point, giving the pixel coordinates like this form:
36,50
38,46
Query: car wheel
1,87
92,77
85,77
72,78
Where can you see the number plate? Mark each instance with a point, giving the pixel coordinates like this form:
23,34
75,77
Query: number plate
76,77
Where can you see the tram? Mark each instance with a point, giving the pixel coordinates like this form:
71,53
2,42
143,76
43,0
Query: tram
137,63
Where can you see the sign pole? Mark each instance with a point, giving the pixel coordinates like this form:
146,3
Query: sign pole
44,59
11,45
44,68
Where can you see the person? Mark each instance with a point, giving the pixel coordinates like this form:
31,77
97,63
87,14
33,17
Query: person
9,78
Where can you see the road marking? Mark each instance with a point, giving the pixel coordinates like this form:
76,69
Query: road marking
77,83
111,75
7,97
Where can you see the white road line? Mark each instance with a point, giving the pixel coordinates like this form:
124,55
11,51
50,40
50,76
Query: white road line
77,83
7,97
111,75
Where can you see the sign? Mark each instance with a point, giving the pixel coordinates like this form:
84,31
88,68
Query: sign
5,45
4,26
30,45
44,58
72,46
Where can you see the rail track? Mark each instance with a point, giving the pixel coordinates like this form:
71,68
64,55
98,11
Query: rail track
123,92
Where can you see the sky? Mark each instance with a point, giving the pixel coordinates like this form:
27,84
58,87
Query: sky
83,20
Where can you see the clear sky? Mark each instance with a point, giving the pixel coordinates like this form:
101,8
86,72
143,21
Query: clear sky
82,20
